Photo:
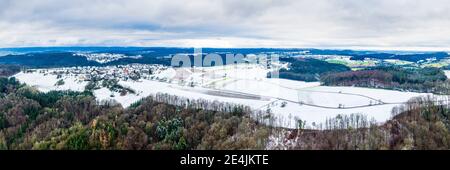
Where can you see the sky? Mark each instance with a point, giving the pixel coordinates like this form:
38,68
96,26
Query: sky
349,24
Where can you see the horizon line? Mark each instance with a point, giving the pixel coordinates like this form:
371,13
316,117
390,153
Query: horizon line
393,49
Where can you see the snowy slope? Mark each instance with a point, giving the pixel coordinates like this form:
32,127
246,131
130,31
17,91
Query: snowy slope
247,85
47,82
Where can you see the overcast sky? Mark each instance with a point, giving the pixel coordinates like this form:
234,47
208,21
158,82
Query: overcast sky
362,24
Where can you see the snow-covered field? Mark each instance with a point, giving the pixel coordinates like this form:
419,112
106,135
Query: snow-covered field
47,82
309,102
313,103
447,73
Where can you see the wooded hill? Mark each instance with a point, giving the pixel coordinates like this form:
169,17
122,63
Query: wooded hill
75,120
308,69
426,80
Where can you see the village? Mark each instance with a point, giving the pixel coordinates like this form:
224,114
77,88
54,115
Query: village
104,57
95,73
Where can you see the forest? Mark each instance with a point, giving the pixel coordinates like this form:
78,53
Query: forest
405,57
421,124
308,69
426,80
68,59
67,120
76,121
8,70
30,119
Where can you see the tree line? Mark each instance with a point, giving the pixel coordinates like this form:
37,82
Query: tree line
30,119
421,124
426,80
308,69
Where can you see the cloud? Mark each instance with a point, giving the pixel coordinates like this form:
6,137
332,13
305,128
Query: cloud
414,24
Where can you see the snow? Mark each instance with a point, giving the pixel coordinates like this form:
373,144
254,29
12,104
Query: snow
168,74
47,82
387,96
247,85
447,73
321,102
287,116
148,87
313,93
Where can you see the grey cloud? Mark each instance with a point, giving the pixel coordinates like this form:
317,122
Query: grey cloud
291,22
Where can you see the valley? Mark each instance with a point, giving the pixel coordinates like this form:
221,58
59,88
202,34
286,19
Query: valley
288,101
